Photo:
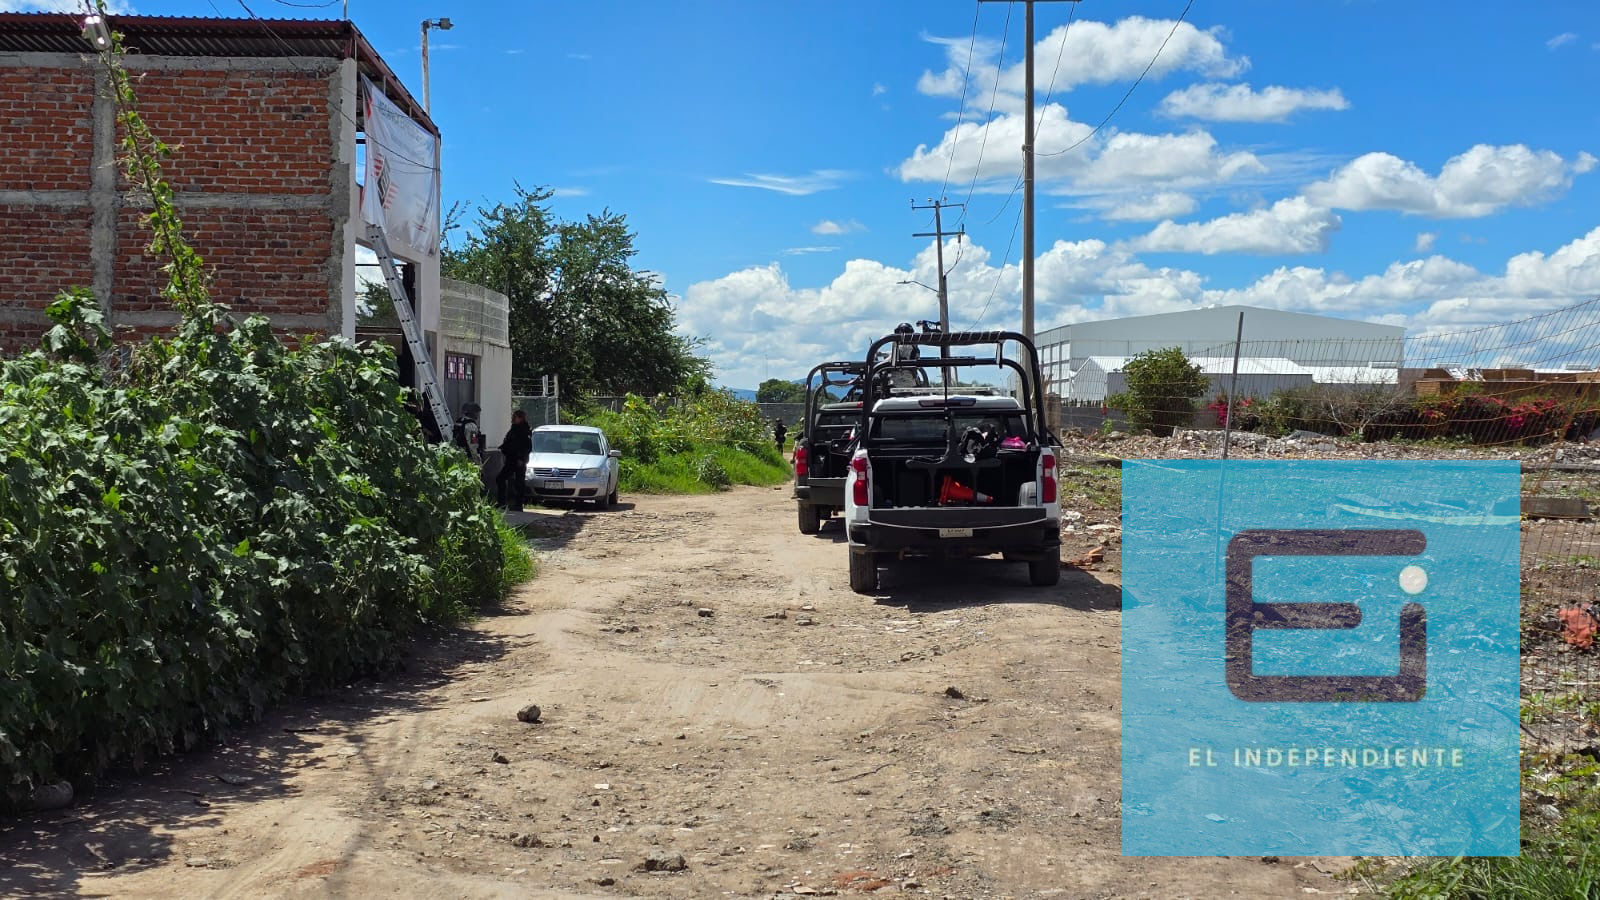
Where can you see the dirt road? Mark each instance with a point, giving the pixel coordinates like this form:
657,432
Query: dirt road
717,706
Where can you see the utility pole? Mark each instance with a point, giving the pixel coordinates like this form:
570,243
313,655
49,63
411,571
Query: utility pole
938,234
1027,169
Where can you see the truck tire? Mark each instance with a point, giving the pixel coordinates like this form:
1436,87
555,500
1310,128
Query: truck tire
1045,572
863,573
809,522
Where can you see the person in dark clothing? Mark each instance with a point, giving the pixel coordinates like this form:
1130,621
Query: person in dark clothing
515,448
779,432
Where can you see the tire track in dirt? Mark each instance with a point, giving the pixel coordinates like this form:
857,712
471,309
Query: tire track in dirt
794,738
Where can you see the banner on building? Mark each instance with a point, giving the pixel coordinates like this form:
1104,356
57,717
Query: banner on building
401,188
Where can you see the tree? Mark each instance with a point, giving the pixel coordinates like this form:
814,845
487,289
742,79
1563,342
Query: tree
776,390
579,310
1162,389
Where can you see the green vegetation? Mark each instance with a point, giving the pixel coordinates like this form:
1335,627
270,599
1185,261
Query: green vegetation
1098,486
694,446
776,390
215,522
579,310
1162,389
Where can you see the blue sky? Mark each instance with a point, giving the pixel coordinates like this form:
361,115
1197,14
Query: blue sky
1423,163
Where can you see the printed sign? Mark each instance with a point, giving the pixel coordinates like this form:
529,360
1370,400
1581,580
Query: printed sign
1321,658
400,190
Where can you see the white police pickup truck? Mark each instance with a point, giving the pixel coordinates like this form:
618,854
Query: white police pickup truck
940,474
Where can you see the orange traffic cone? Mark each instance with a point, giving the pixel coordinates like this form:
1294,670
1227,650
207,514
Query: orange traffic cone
953,491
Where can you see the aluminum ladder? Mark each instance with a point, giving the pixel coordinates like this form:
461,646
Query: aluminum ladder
408,325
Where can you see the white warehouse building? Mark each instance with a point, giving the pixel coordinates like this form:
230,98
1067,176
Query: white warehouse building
1083,362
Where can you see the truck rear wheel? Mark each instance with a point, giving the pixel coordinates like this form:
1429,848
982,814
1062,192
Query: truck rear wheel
863,572
809,522
1047,571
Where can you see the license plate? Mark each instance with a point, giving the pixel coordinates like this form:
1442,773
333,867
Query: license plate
553,485
955,532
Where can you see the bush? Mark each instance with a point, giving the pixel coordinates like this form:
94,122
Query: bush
703,443
226,522
1162,389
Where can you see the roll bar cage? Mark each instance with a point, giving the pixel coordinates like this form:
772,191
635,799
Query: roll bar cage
890,350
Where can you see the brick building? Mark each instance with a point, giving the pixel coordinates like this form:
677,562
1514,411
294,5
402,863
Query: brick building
265,119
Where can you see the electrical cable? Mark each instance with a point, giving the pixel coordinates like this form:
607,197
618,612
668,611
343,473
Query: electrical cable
988,118
261,23
1131,87
999,275
961,107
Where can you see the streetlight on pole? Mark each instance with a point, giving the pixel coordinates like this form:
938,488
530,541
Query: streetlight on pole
944,315
442,25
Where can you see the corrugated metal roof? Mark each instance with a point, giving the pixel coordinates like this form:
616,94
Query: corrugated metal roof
183,36
1214,365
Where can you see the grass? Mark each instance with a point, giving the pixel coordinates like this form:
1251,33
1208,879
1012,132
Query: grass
1099,486
519,563
704,469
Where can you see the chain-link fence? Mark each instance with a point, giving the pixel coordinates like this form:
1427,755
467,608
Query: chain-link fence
538,398
1525,390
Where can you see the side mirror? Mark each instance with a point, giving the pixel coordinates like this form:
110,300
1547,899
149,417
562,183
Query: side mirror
615,454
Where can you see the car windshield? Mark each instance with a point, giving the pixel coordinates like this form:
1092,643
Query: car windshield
573,442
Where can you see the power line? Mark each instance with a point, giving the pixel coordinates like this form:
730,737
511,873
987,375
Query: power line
989,117
999,276
961,107
1060,52
285,46
1131,87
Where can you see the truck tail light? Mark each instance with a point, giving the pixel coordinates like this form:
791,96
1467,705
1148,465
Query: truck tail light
1047,487
800,466
858,480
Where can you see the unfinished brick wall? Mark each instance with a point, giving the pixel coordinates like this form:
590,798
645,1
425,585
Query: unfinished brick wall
252,165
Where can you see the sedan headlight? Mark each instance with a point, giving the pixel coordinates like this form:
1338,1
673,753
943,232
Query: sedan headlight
589,473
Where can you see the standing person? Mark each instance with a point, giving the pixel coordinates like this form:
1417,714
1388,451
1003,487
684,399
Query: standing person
468,435
515,448
779,432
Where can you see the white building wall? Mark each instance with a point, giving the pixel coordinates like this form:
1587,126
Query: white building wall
485,337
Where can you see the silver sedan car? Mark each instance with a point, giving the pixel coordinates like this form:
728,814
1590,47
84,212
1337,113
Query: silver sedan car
573,462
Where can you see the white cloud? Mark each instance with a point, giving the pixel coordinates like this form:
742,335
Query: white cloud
878,90
1288,226
804,251
1109,162
1479,182
1571,271
1093,53
1239,103
761,326
1151,208
1562,39
795,185
569,192
829,226
1425,241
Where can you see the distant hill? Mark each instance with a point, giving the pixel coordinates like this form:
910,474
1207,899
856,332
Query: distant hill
743,394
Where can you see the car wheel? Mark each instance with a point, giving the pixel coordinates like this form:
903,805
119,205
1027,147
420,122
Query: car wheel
809,522
1045,572
612,498
863,572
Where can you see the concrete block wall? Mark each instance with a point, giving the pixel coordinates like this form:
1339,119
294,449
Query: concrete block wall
262,167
